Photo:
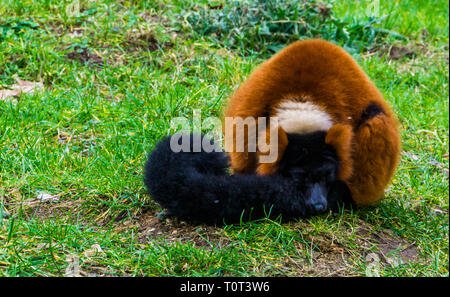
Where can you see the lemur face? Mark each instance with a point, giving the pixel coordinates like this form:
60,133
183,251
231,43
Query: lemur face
313,165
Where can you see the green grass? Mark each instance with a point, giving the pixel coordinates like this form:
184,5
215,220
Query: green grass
116,73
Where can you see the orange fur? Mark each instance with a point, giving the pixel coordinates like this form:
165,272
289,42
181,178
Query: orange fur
323,73
270,168
340,136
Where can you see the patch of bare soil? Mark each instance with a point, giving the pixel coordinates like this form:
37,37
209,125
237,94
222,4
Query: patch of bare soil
327,257
408,51
398,52
44,209
84,141
391,249
328,254
49,210
42,206
150,227
145,41
323,9
82,55
155,19
337,254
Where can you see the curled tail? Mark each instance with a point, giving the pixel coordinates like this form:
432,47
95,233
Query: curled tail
196,186
376,153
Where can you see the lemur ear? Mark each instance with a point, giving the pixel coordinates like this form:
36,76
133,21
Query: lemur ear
275,147
340,136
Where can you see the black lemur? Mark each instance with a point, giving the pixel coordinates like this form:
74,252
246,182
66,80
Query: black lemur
197,186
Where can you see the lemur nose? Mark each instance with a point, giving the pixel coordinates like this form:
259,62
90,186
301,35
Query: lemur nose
317,200
320,207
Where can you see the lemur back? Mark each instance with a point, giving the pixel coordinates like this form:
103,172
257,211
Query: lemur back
314,85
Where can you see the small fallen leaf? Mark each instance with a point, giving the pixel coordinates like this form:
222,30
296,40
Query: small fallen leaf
76,33
21,86
438,211
28,86
372,265
73,267
46,245
8,93
95,250
45,197
435,163
411,156
42,197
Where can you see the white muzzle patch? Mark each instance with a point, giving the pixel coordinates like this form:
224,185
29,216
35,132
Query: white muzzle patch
302,117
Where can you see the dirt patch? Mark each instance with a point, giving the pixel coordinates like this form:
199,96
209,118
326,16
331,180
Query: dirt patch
328,254
145,41
327,257
150,227
84,142
82,55
391,249
398,52
155,19
33,208
338,253
51,210
333,258
330,264
323,9
42,205
55,27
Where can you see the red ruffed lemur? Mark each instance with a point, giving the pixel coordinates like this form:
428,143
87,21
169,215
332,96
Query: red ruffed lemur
314,85
337,142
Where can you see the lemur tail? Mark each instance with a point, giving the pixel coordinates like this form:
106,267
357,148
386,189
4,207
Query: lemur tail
196,186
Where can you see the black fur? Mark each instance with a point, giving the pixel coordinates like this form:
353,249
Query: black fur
371,111
198,188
